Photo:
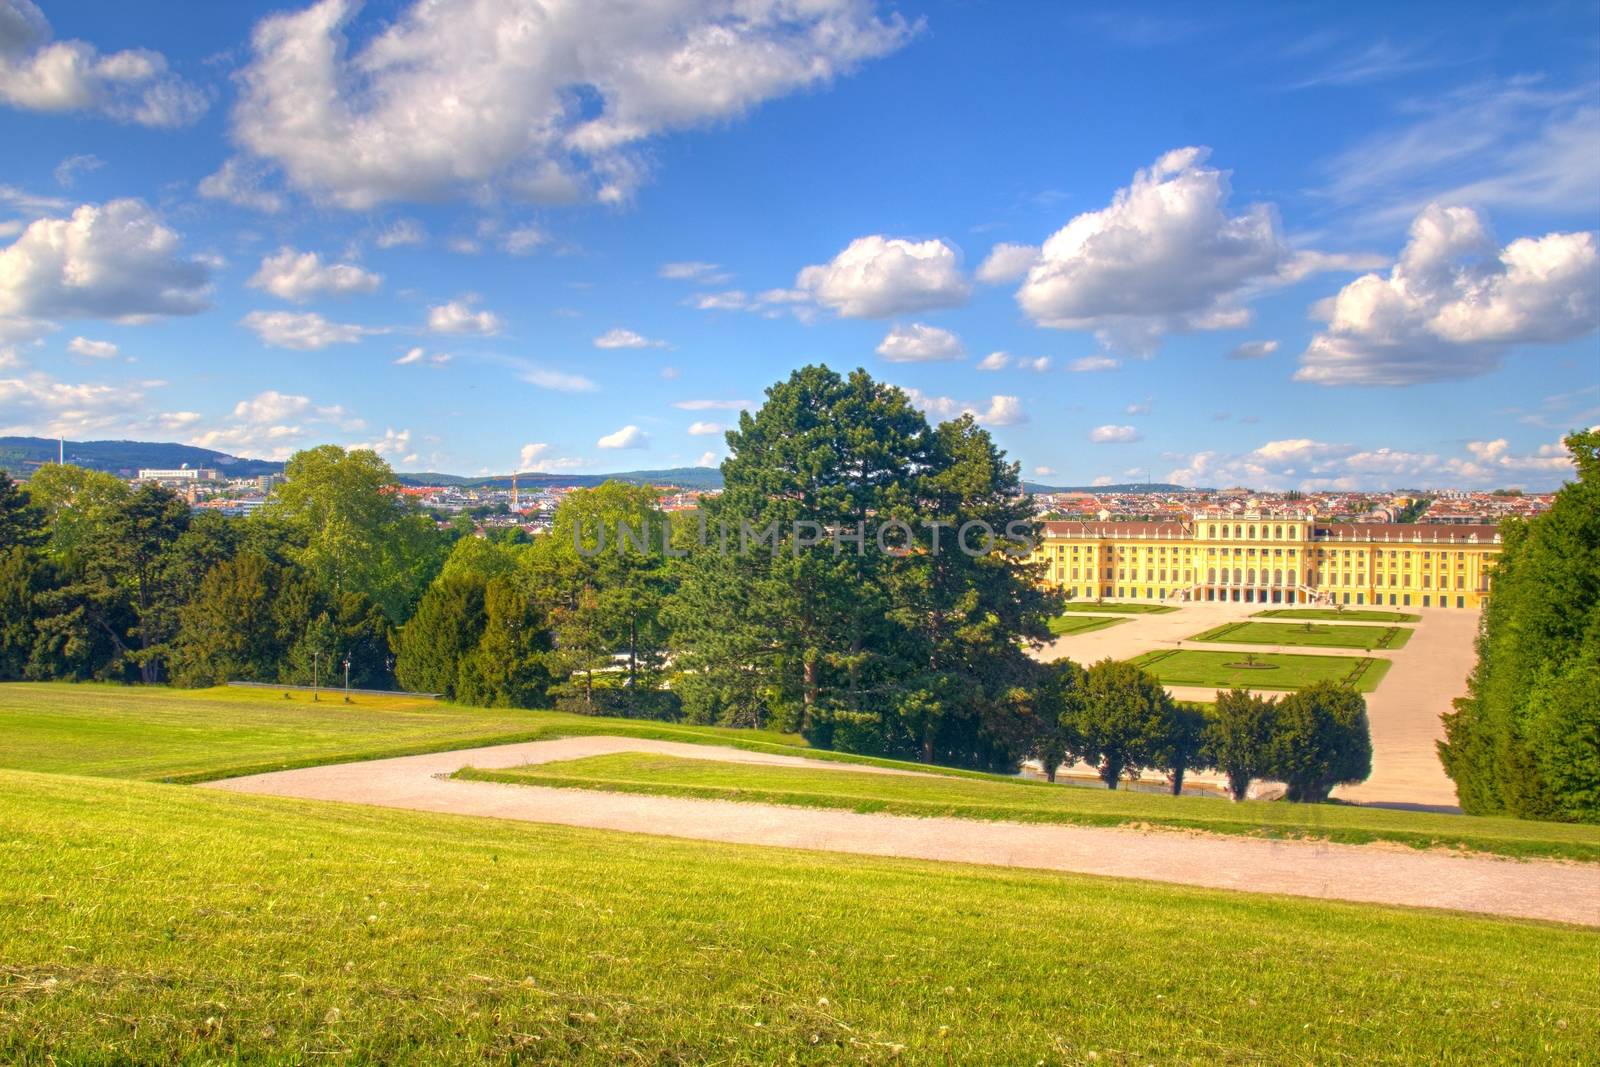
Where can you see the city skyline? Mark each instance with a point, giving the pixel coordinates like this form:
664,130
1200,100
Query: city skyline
1237,249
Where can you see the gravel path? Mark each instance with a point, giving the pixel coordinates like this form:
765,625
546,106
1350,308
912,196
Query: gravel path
1562,892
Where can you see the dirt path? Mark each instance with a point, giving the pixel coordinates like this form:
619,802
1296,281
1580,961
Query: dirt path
1386,875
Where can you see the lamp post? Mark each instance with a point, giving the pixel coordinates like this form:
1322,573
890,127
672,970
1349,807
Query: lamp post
347,677
314,695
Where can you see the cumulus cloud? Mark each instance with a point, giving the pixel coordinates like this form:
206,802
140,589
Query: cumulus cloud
38,74
304,331
459,317
999,411
113,261
1006,263
1454,304
628,437
1115,435
244,184
272,424
707,459
876,277
995,361
82,346
1253,350
536,100
918,343
1166,255
621,338
702,428
299,276
1305,463
35,403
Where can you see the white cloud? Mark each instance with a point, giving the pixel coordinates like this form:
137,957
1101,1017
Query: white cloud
93,349
1038,364
1007,263
918,343
1093,364
1103,479
702,428
1253,350
395,444
995,361
1137,409
1164,256
621,338
34,403
1522,145
1044,472
1304,463
67,171
401,233
529,99
707,459
38,74
1454,303
458,317
114,261
302,330
713,405
299,276
628,437
417,355
876,277
1000,410
1115,435
272,424
554,380
694,271
242,183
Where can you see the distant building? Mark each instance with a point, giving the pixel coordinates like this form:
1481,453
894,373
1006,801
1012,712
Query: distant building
1257,558
180,474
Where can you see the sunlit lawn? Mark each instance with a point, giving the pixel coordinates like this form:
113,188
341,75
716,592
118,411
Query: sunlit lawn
1260,670
1308,633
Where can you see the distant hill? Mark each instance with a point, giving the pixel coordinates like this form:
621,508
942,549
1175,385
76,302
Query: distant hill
685,477
21,456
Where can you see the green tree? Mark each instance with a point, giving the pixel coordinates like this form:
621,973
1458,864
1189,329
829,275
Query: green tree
21,524
446,629
511,665
74,502
1179,745
355,531
1238,738
229,631
1563,733
1123,718
1540,627
1320,739
1058,710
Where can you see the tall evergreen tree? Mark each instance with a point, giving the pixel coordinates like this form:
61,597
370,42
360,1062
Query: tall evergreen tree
1519,743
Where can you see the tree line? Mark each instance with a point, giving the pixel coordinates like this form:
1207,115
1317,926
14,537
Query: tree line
898,650
1525,740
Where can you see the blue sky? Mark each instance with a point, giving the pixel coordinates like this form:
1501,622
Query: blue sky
1329,247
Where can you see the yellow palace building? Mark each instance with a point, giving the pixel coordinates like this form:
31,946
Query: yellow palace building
1257,558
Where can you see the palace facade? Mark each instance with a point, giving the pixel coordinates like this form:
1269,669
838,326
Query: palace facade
1259,558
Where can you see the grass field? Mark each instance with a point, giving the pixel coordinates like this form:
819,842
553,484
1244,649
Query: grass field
1025,800
1308,634
1273,670
159,924
1081,624
199,735
1117,607
1330,615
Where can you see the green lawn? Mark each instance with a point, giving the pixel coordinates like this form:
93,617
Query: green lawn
160,924
199,735
1273,670
1117,607
1082,624
1027,800
1308,633
1330,615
